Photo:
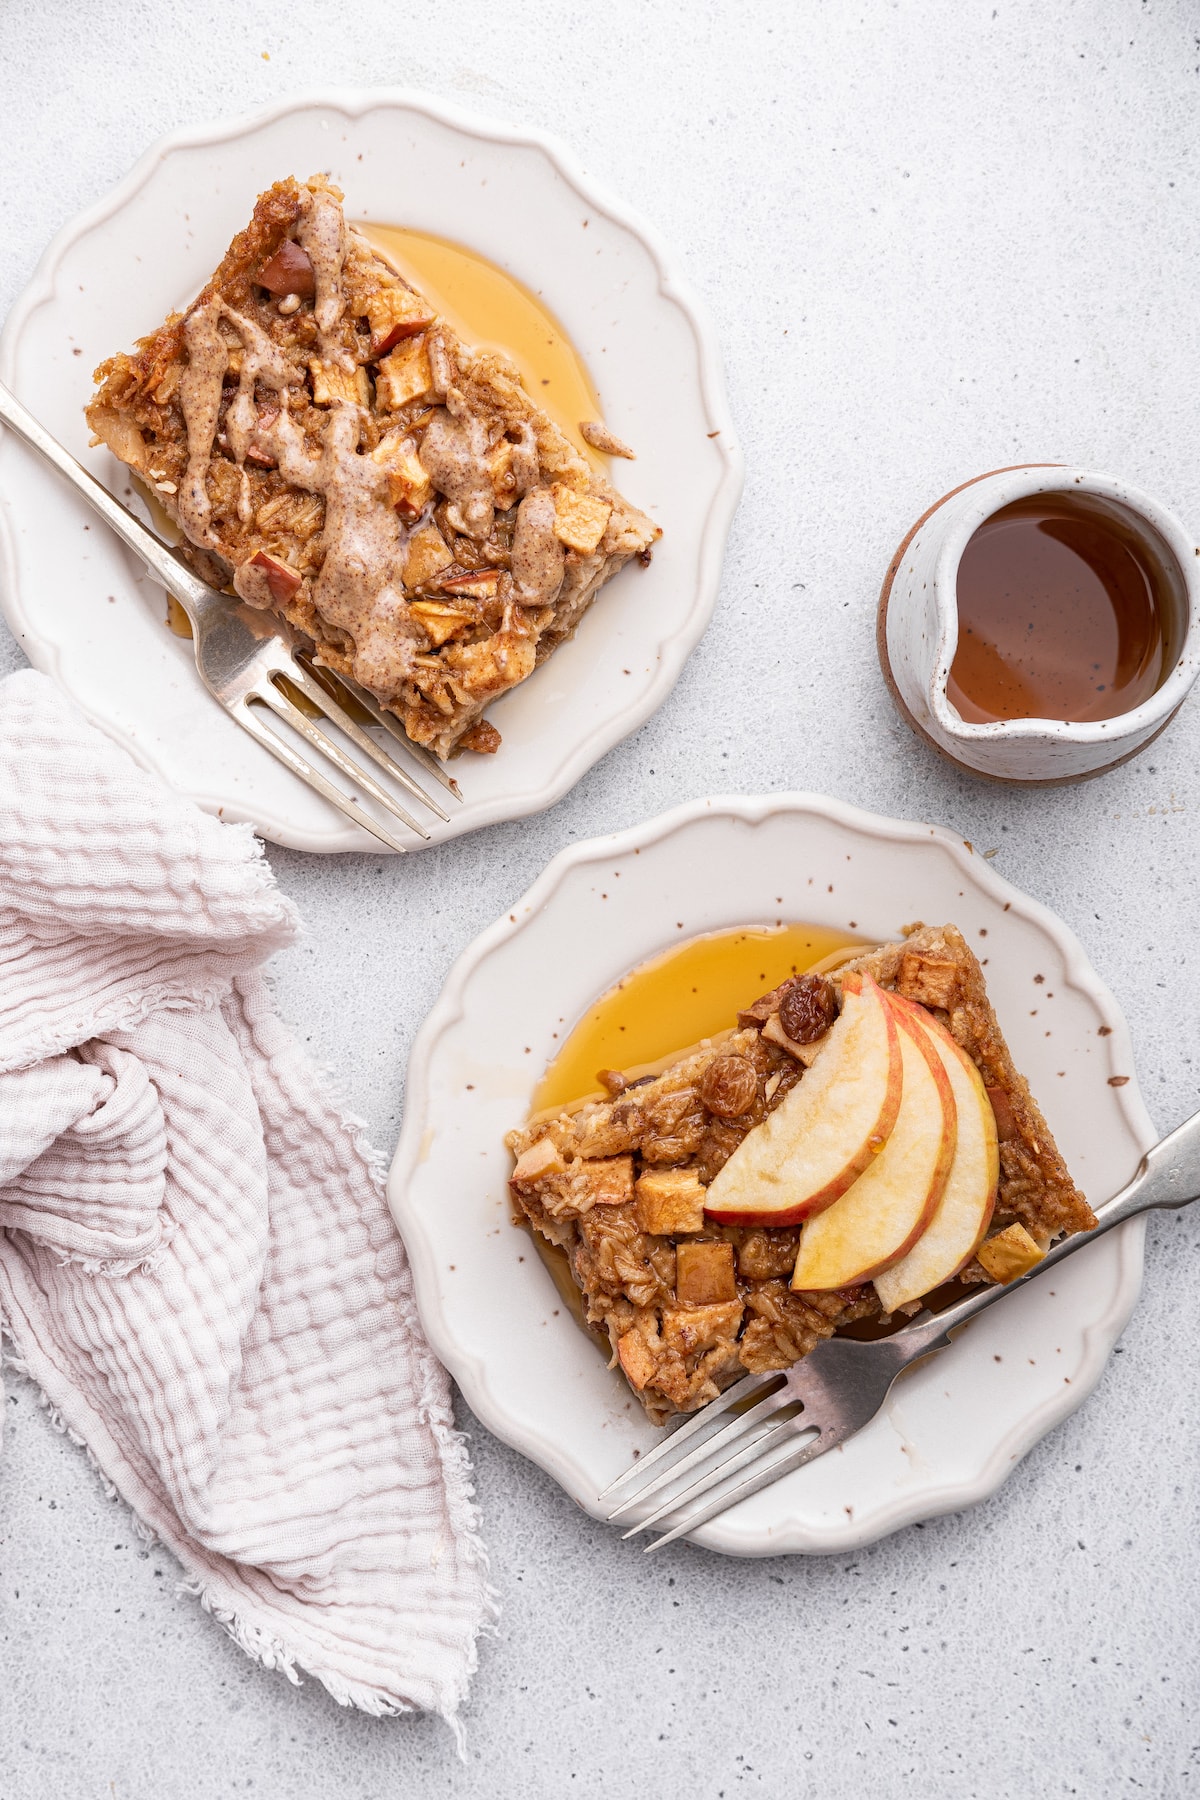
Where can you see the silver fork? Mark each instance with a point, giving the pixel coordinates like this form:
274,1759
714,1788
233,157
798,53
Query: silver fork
250,672
841,1385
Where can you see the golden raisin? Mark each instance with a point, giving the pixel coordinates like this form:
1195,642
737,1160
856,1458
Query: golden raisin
807,1009
729,1086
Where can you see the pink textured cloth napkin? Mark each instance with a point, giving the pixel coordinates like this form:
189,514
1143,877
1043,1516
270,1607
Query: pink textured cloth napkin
197,1263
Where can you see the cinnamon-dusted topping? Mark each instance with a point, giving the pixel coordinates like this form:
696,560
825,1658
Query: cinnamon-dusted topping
311,408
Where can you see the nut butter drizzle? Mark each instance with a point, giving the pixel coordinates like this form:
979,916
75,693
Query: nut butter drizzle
359,588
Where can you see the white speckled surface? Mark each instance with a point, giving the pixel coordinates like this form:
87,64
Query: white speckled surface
936,238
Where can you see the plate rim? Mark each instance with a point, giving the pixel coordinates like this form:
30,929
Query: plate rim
673,651
471,1371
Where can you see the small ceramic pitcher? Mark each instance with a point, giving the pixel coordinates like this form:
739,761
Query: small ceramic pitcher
918,631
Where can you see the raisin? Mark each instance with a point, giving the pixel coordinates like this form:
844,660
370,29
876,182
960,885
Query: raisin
808,1008
729,1086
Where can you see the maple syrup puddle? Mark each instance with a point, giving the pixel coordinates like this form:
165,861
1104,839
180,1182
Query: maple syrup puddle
662,1007
1064,612
492,310
694,990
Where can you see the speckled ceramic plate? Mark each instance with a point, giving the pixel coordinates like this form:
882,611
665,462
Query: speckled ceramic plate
84,613
952,1428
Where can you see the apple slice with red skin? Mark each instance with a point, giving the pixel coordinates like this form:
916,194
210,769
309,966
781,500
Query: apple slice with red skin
828,1129
281,580
289,271
397,332
963,1214
878,1220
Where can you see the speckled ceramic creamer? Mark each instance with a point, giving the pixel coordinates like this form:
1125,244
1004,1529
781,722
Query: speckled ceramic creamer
918,631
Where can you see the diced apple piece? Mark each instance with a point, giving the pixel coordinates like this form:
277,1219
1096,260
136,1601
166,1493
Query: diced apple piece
289,271
542,1158
409,487
608,1182
331,382
427,556
929,980
636,1358
670,1200
580,520
827,1130
1010,1253
395,313
439,623
964,1212
880,1218
704,1274
281,580
404,375
475,584
686,1329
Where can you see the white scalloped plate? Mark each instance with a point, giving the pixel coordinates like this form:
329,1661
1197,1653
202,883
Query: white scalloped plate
953,1428
83,613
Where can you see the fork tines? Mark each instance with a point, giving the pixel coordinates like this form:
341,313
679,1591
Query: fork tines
326,695
757,1416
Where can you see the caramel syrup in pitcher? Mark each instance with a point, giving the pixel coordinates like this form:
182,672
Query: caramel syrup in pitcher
1060,615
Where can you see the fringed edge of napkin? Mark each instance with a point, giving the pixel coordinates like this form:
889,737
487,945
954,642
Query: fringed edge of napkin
263,1643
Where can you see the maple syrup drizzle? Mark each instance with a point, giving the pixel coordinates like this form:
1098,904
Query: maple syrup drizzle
1063,613
491,310
692,991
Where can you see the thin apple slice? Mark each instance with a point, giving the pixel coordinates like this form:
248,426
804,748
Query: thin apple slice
880,1218
964,1212
830,1127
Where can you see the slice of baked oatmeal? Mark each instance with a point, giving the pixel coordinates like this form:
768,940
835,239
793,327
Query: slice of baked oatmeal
334,453
689,1305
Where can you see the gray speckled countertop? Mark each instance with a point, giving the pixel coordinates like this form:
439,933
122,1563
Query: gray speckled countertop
936,238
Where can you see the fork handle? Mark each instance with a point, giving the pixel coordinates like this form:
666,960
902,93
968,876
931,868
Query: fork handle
158,557
1167,1179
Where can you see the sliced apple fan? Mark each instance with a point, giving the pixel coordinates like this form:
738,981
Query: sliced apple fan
768,1189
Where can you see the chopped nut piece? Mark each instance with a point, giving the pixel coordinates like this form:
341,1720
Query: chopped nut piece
704,1274
609,1183
580,520
1010,1253
288,305
636,1358
404,375
601,438
542,1158
439,623
670,1200
928,980
427,556
332,382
